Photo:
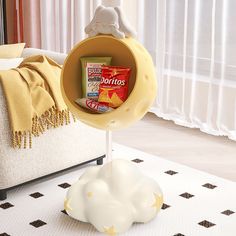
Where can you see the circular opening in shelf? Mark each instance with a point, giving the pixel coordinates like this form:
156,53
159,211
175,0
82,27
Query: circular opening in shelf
94,47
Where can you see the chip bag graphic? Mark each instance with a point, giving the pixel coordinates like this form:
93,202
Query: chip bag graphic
104,95
116,101
113,89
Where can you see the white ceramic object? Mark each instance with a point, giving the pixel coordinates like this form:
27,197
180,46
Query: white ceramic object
109,20
113,197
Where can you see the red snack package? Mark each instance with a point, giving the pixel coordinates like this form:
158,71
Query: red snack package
113,89
93,105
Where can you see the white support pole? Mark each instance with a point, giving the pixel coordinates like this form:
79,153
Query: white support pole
112,3
108,146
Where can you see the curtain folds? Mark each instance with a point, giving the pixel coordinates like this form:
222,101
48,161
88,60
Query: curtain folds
59,24
51,24
31,23
196,64
193,45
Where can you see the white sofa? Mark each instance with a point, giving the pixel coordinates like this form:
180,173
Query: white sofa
55,150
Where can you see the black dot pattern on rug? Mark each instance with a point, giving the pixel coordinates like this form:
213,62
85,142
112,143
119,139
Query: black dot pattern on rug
179,234
37,223
64,185
6,205
210,186
64,211
5,234
227,212
164,206
171,172
206,224
36,195
137,160
186,195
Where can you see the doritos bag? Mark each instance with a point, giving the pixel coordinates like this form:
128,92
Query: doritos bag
113,89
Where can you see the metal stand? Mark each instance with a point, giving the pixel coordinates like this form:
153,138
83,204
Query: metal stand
108,146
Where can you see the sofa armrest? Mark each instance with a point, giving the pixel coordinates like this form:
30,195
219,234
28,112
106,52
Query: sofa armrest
58,57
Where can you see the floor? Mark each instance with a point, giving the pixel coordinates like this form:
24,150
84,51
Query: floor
195,203
191,147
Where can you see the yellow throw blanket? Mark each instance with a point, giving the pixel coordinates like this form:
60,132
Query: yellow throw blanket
34,99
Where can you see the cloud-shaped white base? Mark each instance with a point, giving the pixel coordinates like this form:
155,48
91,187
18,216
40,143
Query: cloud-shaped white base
113,197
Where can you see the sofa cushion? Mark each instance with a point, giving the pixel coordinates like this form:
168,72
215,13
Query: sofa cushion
56,56
6,64
11,50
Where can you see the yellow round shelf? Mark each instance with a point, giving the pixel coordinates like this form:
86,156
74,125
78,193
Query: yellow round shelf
142,84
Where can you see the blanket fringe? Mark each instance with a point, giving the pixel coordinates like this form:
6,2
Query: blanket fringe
52,118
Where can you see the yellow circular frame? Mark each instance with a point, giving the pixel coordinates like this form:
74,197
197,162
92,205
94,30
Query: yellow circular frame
142,84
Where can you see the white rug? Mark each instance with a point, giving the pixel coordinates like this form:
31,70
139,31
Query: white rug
196,203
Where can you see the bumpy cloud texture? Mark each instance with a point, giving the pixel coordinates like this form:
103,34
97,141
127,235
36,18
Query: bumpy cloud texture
113,197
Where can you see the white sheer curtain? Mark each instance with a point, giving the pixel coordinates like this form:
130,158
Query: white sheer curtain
196,61
193,45
63,22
